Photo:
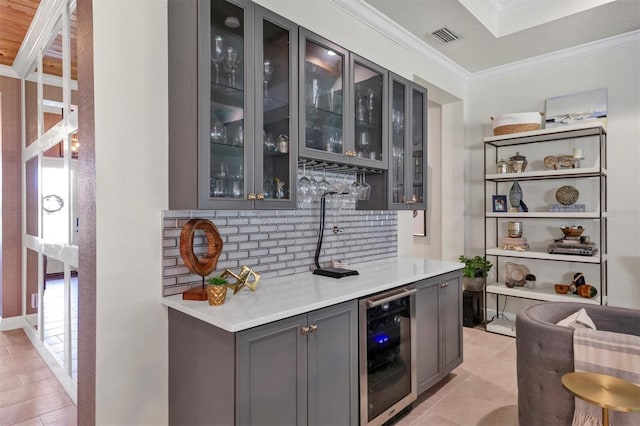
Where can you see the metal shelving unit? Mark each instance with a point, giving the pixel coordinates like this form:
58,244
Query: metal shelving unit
593,136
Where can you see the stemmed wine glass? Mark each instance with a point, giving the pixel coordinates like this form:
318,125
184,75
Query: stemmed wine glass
365,189
217,55
355,187
323,185
314,185
268,73
304,186
231,60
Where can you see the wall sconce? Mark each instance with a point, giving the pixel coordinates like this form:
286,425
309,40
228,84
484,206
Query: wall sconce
75,145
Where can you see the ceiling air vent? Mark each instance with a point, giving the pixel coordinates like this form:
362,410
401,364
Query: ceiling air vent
445,35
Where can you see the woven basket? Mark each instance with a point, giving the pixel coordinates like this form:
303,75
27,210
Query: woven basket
515,128
516,122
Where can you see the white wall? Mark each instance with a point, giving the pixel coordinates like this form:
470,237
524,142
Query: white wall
525,90
130,66
334,23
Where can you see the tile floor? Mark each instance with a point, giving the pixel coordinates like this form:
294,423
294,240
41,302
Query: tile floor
53,301
481,392
29,392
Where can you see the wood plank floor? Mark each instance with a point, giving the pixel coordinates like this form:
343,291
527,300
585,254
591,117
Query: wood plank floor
30,394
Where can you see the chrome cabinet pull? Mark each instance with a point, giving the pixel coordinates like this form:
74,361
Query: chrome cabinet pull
305,330
260,196
313,328
251,196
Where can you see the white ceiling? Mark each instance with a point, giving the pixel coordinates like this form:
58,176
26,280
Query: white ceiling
500,32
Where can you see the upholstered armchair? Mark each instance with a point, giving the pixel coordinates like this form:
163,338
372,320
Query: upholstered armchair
545,353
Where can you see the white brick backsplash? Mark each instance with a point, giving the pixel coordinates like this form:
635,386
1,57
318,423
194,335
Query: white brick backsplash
278,242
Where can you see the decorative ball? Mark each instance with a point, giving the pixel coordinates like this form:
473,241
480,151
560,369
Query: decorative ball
567,195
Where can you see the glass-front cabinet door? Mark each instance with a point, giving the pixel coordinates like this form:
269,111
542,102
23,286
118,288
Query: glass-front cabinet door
408,145
369,103
226,65
276,126
418,141
248,107
323,98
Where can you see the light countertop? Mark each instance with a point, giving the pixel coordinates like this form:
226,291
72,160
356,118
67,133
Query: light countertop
283,297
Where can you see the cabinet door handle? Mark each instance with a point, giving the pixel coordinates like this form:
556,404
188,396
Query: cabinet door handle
251,196
313,328
260,196
305,330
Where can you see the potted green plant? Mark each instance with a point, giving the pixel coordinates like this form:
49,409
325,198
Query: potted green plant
474,272
217,290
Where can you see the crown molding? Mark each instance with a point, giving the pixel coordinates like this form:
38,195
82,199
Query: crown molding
7,71
587,49
390,29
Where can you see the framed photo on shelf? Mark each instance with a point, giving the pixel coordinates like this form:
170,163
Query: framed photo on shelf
499,203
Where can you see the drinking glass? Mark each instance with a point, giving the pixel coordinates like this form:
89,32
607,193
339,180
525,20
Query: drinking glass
323,185
314,185
364,141
217,55
231,60
268,73
355,187
370,104
238,137
365,189
304,186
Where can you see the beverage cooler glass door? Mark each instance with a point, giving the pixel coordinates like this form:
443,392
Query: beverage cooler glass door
387,355
228,113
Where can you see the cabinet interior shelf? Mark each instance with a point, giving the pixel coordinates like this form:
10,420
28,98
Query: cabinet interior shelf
546,215
547,174
545,293
544,256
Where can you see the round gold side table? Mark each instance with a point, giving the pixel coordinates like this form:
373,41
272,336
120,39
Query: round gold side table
610,393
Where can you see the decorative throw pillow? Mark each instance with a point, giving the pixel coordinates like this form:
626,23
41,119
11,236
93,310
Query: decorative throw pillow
578,319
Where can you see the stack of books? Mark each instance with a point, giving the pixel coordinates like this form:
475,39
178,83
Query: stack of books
571,208
517,244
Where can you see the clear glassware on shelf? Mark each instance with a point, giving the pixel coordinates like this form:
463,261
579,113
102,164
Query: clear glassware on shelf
371,105
217,55
268,73
231,61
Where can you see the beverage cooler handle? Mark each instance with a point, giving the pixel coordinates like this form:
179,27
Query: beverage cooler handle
387,297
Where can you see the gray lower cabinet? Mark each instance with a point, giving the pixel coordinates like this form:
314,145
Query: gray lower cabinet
438,328
300,370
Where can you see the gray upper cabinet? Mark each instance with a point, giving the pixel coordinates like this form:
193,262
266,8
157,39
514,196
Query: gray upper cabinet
324,98
407,145
343,105
238,149
368,113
